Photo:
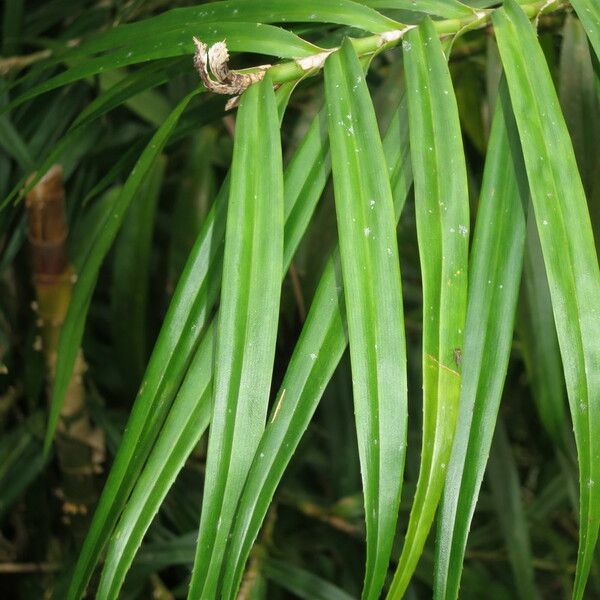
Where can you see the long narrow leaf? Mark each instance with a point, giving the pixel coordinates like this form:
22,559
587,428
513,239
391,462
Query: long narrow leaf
252,268
373,297
340,12
246,37
182,330
184,426
569,252
304,181
72,329
588,12
315,358
494,278
449,9
442,212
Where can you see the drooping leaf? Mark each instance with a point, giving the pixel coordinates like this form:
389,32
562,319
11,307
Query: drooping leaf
494,278
181,333
191,19
315,358
183,427
72,329
569,253
449,9
373,298
442,212
247,326
247,37
588,12
70,340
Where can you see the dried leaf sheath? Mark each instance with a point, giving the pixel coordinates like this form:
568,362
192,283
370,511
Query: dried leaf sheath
79,446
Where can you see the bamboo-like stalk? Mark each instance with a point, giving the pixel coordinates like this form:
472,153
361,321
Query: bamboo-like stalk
79,445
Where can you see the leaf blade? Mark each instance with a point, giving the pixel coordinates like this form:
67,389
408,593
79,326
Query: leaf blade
589,15
72,333
72,330
441,200
247,329
373,299
494,278
563,223
324,334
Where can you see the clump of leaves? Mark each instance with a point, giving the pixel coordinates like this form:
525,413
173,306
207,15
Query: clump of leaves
416,182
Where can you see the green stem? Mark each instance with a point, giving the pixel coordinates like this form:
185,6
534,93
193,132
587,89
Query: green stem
365,46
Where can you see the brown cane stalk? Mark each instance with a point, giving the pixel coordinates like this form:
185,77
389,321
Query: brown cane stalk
79,445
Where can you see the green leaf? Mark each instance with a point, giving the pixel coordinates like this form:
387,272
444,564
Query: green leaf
588,12
183,427
301,583
448,9
316,355
72,329
503,479
568,248
373,297
174,350
494,278
305,179
193,19
247,329
442,212
130,285
241,37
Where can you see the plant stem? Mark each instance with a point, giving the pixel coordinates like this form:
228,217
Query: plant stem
365,46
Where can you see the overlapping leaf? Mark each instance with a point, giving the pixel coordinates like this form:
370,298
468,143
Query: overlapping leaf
494,279
248,37
315,358
175,349
442,212
247,328
72,330
373,298
568,248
